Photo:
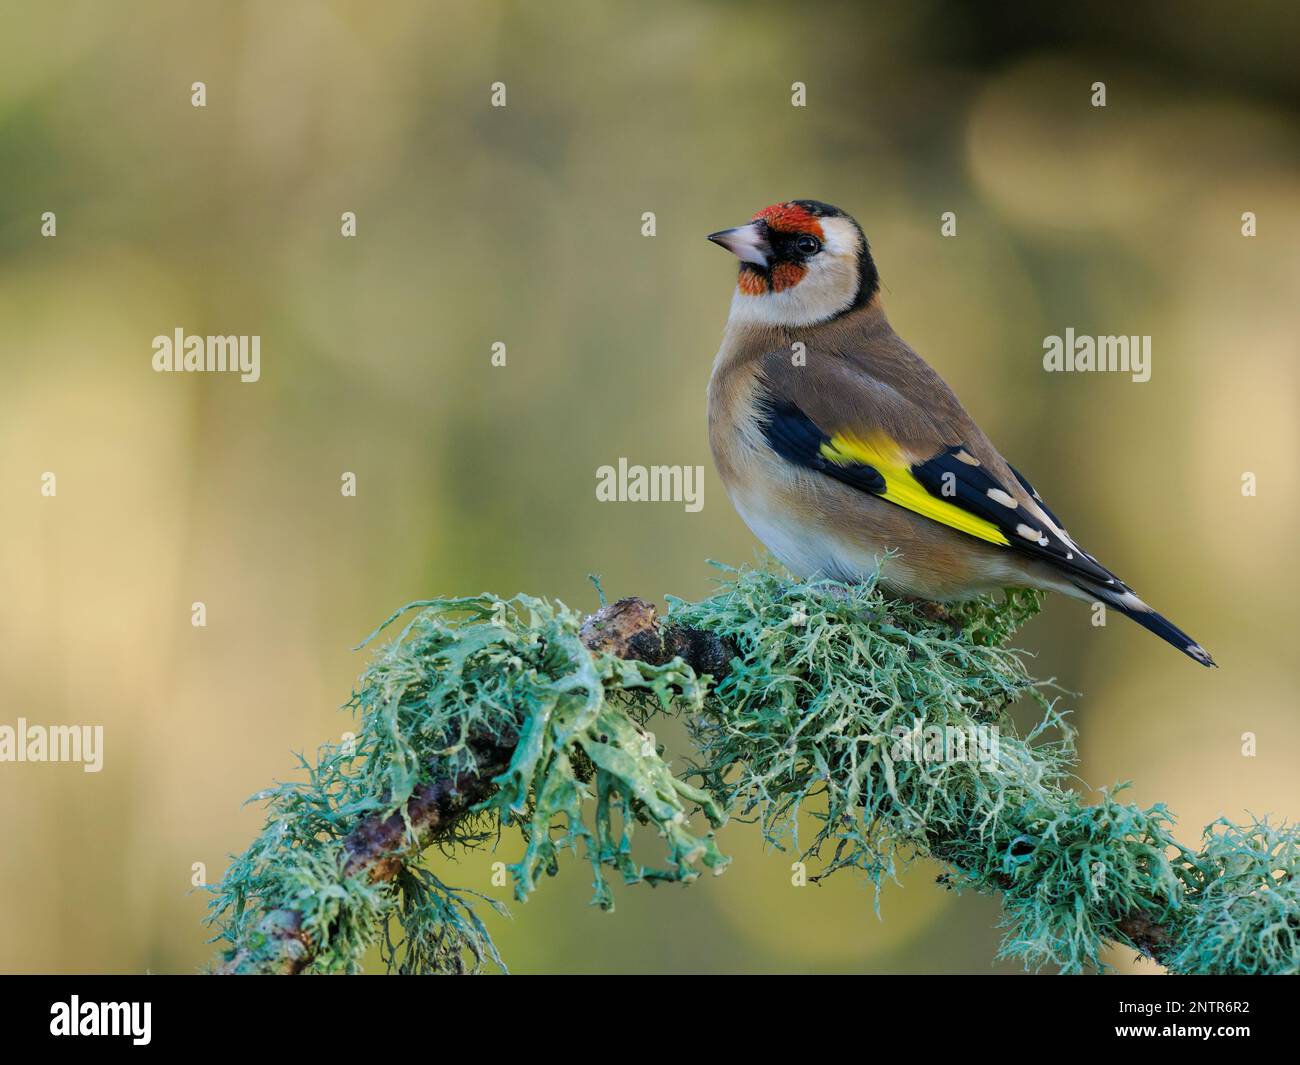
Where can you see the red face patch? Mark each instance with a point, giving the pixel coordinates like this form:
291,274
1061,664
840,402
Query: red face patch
790,218
786,275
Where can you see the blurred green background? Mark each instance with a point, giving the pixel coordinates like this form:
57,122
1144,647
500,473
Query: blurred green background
522,225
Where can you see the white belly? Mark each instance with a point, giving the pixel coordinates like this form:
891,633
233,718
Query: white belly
810,552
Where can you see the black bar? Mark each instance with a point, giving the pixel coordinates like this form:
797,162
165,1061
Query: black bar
226,1015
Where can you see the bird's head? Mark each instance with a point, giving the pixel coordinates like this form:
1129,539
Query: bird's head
801,262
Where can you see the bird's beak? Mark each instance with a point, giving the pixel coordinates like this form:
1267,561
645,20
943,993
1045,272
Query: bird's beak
748,243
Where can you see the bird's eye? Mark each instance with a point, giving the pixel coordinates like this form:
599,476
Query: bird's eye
807,245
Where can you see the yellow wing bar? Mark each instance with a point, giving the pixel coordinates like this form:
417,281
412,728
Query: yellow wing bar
902,488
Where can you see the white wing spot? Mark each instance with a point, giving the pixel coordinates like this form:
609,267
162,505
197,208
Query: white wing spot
965,456
1030,534
999,496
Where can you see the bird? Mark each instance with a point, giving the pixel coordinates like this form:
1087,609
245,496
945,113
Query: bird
847,454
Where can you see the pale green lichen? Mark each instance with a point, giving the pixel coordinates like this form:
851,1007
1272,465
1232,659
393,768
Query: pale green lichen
1244,915
806,720
582,776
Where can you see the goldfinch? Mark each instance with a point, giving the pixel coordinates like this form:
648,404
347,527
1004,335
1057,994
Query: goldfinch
837,443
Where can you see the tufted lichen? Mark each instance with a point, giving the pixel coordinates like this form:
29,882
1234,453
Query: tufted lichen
886,723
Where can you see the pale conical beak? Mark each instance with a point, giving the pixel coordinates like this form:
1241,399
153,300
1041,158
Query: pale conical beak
747,243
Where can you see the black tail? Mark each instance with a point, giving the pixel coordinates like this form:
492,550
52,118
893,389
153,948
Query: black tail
1131,606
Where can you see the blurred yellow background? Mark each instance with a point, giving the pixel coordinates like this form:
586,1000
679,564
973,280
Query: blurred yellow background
523,225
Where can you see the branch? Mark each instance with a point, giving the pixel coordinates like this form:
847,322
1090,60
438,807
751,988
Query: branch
379,847
518,714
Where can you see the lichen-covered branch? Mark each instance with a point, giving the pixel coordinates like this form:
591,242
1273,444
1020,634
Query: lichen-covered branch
379,846
487,716
376,850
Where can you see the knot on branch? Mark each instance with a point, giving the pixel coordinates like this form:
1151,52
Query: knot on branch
630,628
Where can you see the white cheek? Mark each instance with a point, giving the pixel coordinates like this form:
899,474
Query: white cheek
841,238
827,289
